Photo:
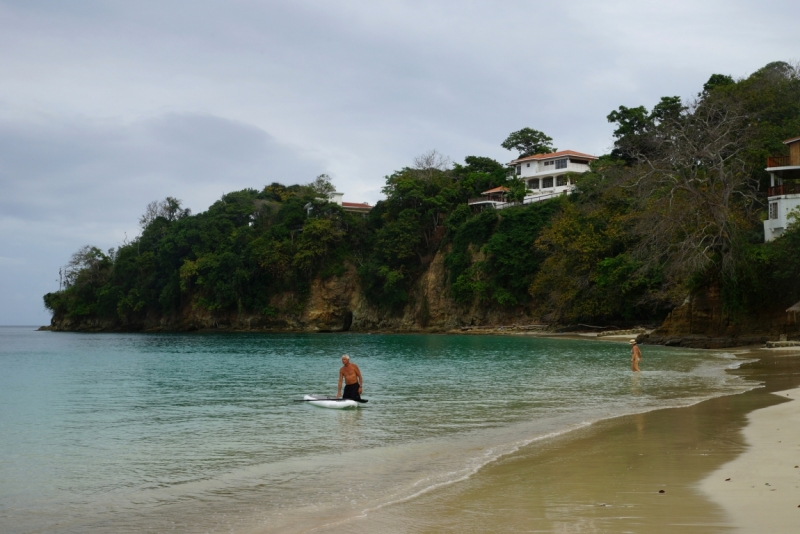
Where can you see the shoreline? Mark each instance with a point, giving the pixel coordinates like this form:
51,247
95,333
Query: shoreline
544,331
608,476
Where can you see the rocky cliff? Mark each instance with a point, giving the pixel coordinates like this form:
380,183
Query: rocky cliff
338,304
334,304
701,322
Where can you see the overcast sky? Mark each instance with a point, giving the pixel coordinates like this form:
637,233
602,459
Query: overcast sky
107,105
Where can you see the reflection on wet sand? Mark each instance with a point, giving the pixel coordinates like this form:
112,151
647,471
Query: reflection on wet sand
606,478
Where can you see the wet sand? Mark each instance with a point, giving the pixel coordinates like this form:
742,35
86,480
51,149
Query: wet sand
609,477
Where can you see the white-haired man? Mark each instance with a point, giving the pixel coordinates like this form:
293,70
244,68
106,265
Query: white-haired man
353,381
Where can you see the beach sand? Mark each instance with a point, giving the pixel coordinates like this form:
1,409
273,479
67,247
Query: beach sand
609,477
760,490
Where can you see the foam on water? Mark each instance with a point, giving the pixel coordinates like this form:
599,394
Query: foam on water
199,433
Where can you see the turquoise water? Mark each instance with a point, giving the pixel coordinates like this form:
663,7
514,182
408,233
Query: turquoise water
199,433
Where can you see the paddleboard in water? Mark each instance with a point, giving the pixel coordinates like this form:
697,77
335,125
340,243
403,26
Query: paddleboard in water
332,402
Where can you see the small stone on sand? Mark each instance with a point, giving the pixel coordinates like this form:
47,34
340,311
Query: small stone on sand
727,479
661,491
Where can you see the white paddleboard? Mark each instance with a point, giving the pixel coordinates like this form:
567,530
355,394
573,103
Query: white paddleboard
330,402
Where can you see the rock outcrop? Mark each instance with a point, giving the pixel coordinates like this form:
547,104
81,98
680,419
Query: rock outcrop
338,304
701,322
335,304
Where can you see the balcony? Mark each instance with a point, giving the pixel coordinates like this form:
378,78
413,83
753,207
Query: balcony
538,169
485,200
778,161
785,189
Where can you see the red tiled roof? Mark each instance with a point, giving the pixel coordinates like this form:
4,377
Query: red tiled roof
356,204
500,189
560,153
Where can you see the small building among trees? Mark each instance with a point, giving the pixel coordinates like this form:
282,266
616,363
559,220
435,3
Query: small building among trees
493,198
355,207
783,193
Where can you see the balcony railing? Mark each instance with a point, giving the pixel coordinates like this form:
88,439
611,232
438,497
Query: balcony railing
480,200
785,189
778,161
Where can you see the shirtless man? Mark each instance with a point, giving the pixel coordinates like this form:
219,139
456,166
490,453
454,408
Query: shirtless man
353,381
636,355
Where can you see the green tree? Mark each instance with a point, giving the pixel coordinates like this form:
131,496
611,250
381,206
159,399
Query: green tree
715,81
322,186
637,129
528,142
169,209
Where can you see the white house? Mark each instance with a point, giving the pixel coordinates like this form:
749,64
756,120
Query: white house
355,207
545,175
783,194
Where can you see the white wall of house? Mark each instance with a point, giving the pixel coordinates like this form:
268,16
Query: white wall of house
778,215
539,169
549,177
336,198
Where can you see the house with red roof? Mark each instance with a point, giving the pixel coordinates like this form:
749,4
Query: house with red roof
493,198
355,207
548,175
545,176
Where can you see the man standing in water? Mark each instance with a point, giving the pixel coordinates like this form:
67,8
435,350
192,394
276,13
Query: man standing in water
636,355
353,382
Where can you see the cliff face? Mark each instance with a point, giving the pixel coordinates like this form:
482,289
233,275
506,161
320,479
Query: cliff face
701,322
335,304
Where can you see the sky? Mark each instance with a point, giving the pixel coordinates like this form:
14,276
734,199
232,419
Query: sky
106,105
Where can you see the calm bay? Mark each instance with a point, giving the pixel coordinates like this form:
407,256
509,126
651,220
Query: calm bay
200,432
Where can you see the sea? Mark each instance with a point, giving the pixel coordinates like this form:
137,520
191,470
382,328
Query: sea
204,432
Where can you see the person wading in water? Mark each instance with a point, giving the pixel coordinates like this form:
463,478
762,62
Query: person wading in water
636,355
353,381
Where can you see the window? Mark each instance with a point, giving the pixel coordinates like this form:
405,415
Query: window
561,180
773,210
527,164
519,170
533,184
561,163
547,182
546,163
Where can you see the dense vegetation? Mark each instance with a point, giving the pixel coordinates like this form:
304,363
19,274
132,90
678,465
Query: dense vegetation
676,207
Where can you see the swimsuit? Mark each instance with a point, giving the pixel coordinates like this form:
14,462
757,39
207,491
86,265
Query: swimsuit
351,391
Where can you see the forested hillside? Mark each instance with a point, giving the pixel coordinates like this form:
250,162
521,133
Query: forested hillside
673,212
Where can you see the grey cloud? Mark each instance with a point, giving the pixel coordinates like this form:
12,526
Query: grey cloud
106,105
66,184
49,168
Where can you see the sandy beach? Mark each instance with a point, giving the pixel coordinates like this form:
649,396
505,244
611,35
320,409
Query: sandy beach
760,490
661,471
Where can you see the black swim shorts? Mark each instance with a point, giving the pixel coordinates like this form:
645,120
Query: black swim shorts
351,392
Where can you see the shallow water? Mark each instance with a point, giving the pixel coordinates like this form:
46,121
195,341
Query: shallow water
199,433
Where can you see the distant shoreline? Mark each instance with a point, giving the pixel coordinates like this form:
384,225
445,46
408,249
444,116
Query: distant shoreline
701,342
